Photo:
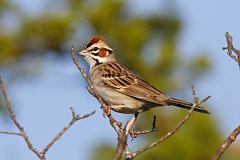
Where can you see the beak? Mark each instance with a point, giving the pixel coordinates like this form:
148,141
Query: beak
83,52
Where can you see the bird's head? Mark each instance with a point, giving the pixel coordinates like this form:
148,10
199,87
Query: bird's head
97,51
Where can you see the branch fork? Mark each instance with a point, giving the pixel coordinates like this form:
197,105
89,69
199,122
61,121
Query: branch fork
22,133
231,50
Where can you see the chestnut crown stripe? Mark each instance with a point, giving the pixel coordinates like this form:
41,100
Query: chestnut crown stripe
95,39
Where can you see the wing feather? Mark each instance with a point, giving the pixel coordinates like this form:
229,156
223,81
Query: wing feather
121,79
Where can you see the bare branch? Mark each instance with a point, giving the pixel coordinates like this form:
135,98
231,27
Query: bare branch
75,60
132,155
11,133
22,133
231,138
166,136
122,138
59,135
13,118
154,129
230,49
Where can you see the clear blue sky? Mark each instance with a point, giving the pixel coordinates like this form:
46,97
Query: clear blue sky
43,102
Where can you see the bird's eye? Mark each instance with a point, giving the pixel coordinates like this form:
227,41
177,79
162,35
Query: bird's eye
95,48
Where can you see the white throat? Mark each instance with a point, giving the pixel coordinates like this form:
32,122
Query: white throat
95,60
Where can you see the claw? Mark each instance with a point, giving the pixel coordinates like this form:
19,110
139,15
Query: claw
132,134
106,111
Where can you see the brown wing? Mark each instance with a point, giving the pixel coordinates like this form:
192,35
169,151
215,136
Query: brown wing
121,79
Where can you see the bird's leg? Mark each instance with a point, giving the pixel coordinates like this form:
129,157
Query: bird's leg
132,131
106,110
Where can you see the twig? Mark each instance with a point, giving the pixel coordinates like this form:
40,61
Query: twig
13,118
166,136
154,129
230,48
132,155
231,138
11,133
59,135
23,134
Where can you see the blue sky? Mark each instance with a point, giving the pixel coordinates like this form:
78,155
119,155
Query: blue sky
42,102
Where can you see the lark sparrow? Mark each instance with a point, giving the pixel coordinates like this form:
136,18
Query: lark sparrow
121,89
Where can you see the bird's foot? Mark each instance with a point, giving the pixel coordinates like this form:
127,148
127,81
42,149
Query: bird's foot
132,133
106,110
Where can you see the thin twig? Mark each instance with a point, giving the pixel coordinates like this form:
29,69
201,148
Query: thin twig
137,133
231,138
59,135
13,118
23,134
10,133
132,155
154,129
166,136
230,49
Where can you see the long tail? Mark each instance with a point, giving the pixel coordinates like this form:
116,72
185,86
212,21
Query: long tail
186,105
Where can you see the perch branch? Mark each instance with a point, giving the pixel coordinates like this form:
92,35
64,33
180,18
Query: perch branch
122,139
116,125
154,129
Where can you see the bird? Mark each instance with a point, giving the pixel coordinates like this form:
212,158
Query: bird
120,89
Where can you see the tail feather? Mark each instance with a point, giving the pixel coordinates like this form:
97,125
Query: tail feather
186,105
